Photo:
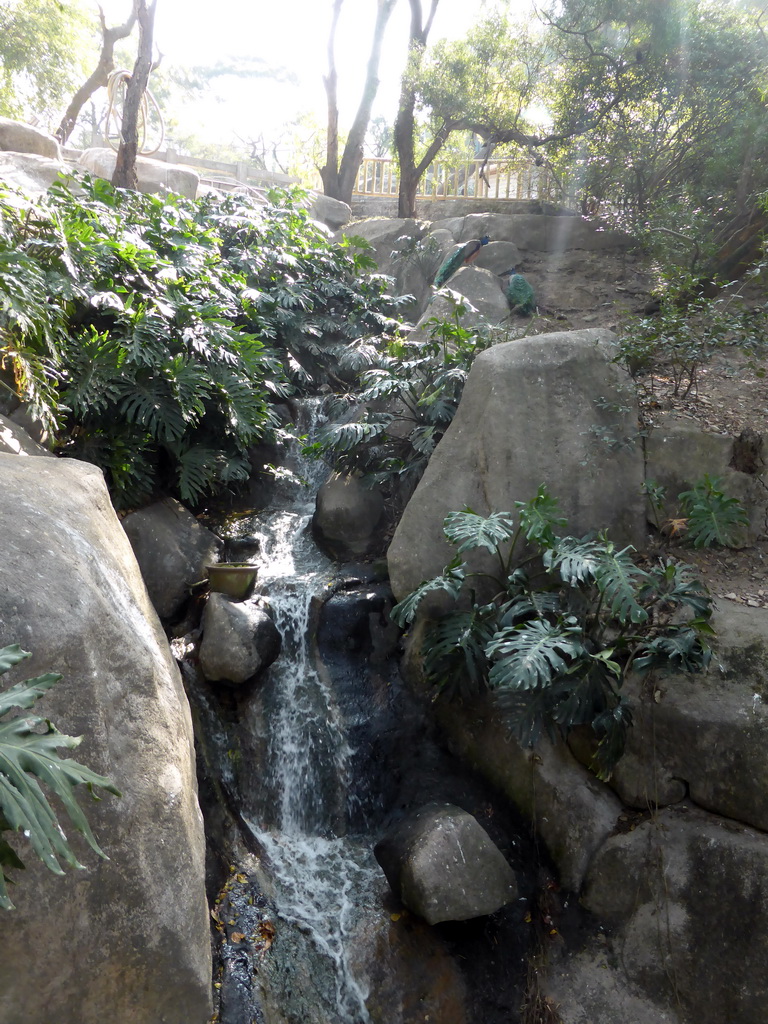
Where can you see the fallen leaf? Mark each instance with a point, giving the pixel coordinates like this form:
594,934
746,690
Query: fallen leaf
237,937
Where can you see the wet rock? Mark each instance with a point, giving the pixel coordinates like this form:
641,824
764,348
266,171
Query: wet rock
410,973
444,866
172,549
552,409
239,640
686,897
136,926
572,812
347,519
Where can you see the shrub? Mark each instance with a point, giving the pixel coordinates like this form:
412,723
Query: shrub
408,400
708,515
153,332
687,331
563,627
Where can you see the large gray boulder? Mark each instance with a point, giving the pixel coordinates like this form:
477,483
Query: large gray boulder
127,939
23,138
14,440
239,640
172,549
383,234
29,172
482,289
705,736
348,518
552,409
328,211
443,865
685,896
537,232
498,257
153,175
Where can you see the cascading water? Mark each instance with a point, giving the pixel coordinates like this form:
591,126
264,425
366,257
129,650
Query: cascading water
318,878
313,762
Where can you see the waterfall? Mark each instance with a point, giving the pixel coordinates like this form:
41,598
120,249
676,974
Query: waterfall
319,878
314,760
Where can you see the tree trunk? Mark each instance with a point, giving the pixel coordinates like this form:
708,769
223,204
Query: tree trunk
125,167
410,174
339,177
329,171
100,75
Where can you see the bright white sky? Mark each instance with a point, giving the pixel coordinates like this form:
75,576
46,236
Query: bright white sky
292,34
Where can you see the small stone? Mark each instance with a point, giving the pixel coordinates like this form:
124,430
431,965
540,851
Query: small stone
731,597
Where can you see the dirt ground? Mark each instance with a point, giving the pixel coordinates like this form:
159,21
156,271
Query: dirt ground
729,398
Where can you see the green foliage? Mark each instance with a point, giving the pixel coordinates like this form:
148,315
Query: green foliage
713,517
562,629
408,400
29,755
707,515
489,78
687,331
153,332
42,54
673,96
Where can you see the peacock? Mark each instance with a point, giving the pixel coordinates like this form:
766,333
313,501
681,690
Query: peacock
468,253
520,295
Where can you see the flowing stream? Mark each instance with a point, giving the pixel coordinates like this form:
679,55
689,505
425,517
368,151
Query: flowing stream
319,879
315,760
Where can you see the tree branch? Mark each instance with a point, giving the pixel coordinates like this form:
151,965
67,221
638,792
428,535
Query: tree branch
100,76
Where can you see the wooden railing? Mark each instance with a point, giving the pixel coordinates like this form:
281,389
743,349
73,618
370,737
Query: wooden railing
229,174
497,179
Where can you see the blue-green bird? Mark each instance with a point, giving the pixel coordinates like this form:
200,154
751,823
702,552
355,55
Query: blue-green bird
520,295
468,253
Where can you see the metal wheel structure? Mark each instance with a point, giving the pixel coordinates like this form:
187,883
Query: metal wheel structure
150,122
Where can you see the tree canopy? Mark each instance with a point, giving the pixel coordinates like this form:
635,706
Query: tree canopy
43,52
638,104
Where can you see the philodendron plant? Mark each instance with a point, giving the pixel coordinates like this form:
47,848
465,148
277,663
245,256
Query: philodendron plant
568,620
29,755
